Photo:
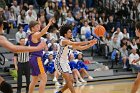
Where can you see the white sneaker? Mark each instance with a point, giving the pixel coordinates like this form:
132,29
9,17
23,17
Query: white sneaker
90,78
124,67
63,83
54,79
73,84
57,84
82,80
78,83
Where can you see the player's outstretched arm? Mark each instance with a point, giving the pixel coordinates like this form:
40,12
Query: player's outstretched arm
15,48
80,47
68,42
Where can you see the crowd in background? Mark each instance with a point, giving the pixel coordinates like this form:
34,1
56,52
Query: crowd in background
118,17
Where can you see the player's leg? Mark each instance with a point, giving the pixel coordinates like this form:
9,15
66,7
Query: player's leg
69,82
33,83
5,87
43,81
136,84
66,73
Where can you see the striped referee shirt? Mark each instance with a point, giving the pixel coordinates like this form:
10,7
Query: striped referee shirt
22,57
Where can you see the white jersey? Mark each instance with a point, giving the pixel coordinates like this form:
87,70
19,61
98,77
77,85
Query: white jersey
61,63
63,52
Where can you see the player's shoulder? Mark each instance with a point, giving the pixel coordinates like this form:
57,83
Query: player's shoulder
36,33
64,39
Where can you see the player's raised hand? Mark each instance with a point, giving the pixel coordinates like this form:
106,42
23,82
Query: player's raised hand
93,41
39,21
52,21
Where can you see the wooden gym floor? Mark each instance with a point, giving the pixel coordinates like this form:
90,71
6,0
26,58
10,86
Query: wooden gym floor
111,86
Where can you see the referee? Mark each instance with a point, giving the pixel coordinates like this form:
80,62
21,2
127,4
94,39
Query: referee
22,66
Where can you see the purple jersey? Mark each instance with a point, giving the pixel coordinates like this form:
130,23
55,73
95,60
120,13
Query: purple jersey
35,61
37,53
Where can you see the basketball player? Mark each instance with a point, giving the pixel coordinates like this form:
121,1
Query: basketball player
4,86
61,63
36,64
137,81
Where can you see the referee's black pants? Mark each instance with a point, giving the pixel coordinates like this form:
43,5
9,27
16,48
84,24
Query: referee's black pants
23,69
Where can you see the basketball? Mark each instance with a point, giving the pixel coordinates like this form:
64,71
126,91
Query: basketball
99,30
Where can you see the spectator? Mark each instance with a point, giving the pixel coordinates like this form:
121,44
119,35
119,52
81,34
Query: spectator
133,44
21,18
70,3
64,9
5,22
25,6
119,34
52,44
124,41
49,9
16,8
132,60
83,7
73,66
20,34
12,19
114,44
103,19
111,25
61,19
93,24
42,19
31,8
7,13
48,38
107,41
29,17
2,4
125,33
45,53
97,17
82,67
76,9
85,29
124,56
49,65
69,18
54,34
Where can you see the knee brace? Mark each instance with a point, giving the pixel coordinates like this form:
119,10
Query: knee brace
5,87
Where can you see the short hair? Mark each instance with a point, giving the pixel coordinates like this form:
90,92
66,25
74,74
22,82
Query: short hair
32,24
64,29
1,22
138,25
20,26
21,38
85,20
